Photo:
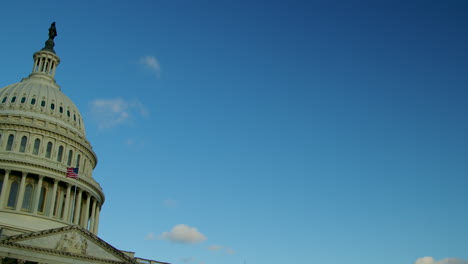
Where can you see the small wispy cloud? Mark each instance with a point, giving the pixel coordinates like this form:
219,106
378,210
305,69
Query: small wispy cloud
183,234
150,236
431,260
116,111
151,63
222,249
230,251
187,259
170,203
214,247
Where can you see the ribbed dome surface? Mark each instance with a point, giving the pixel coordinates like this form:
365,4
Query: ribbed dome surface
43,99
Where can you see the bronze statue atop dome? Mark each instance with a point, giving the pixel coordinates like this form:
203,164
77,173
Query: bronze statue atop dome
49,44
52,31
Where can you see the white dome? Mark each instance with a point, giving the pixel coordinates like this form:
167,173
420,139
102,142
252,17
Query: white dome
42,99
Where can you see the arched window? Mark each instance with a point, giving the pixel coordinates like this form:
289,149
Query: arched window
10,142
60,154
33,101
37,143
78,160
24,140
13,99
27,199
23,100
13,194
48,150
42,199
70,156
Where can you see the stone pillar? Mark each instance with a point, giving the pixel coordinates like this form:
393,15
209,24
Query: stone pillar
53,198
19,200
96,224
37,194
66,210
93,216
77,213
84,224
4,188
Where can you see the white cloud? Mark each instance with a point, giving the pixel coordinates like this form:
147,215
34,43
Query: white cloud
183,234
112,112
150,236
431,260
152,64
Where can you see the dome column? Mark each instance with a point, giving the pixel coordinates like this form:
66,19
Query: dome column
66,210
36,194
84,224
4,188
93,216
77,213
54,197
19,201
96,225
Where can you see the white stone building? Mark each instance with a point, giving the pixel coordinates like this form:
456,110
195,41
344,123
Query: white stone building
46,217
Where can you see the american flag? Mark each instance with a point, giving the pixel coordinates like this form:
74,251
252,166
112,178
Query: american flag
72,172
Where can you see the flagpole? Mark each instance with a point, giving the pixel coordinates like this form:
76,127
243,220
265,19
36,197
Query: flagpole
73,174
74,202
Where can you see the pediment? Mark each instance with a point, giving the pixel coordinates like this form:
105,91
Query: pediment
72,241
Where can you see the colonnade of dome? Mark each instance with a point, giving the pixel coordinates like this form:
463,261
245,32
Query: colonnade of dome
49,198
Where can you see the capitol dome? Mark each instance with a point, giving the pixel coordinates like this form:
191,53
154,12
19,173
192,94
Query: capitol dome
39,98
42,135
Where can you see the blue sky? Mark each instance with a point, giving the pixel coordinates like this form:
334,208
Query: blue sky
267,131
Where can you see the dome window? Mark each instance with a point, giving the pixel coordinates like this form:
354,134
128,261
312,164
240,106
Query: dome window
13,99
49,150
68,113
78,160
9,146
37,143
4,99
33,101
74,117
60,154
28,195
70,156
61,109
24,140
23,100
13,194
52,106
42,103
